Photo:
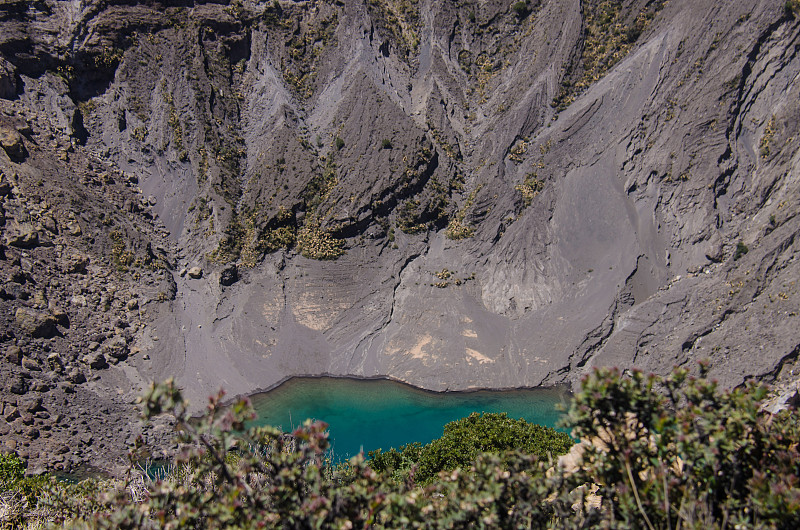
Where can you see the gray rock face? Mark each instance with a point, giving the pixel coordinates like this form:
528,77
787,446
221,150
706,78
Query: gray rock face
455,197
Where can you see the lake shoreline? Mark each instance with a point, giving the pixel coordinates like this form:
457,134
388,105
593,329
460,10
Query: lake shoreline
566,387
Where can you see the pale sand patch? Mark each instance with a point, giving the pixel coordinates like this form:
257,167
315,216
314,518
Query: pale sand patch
469,333
313,316
478,356
272,309
416,352
318,313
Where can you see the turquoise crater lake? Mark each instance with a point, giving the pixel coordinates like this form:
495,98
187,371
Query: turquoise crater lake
370,414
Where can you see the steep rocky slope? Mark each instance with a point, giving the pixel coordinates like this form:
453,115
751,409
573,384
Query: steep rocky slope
455,194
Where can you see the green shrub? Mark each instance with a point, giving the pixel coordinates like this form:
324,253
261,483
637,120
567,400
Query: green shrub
463,440
679,451
741,250
386,143
12,470
315,242
529,189
520,8
19,495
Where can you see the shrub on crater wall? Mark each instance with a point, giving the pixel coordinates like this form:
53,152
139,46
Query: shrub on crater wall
315,242
741,250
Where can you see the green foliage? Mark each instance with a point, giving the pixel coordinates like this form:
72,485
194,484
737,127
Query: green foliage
457,228
339,143
408,218
17,490
609,35
741,250
386,143
673,452
315,242
463,440
399,20
277,238
12,470
520,8
121,257
304,47
320,186
791,8
678,451
529,189
239,240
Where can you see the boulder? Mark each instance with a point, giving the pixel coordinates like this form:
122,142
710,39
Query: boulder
715,250
22,235
17,385
76,377
14,354
61,316
17,275
74,228
195,272
38,385
229,275
75,264
55,362
116,347
36,324
31,364
49,224
5,185
8,79
10,413
31,404
12,144
96,360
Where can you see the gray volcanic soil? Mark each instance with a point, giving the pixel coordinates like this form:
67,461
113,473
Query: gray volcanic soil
455,195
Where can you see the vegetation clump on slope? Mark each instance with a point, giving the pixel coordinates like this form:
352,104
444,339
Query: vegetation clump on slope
656,453
463,440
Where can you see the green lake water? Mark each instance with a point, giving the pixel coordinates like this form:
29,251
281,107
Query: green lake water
377,413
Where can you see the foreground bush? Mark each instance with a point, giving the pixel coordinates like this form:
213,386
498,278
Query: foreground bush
678,451
659,453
